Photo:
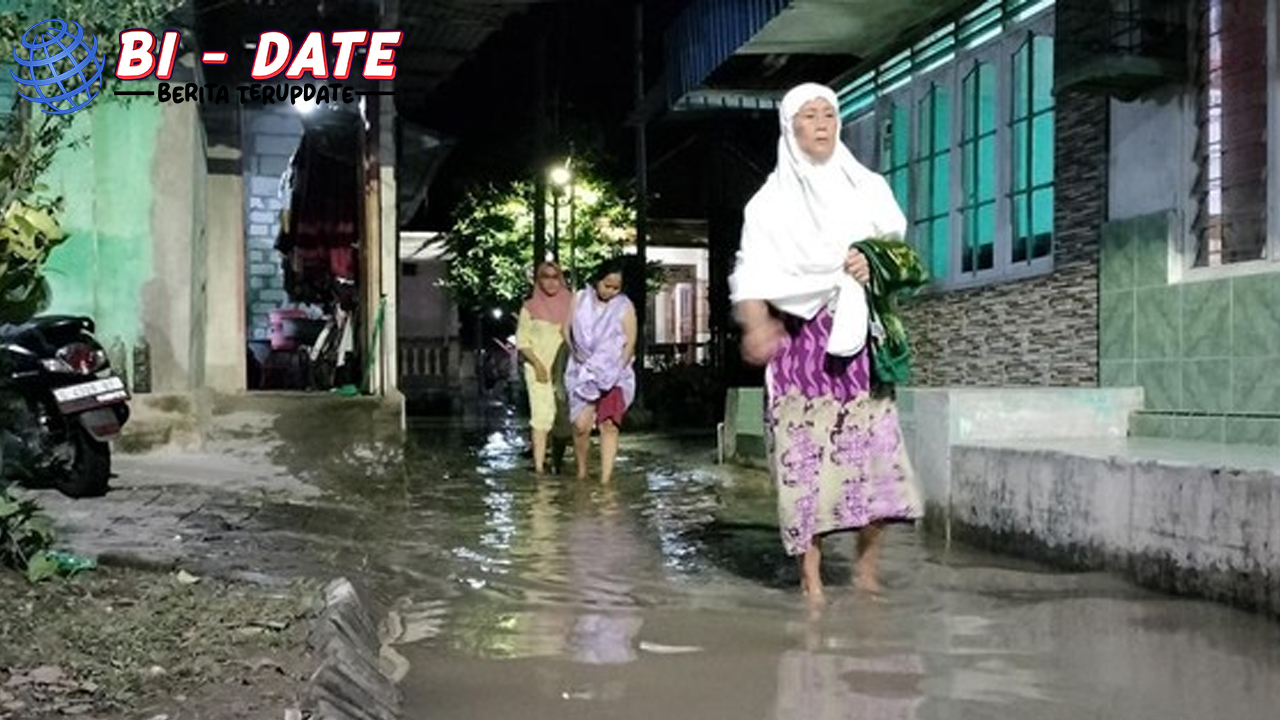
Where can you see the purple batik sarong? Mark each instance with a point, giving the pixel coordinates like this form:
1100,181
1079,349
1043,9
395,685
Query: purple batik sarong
836,453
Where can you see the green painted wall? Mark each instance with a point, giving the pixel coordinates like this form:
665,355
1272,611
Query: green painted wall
1207,353
132,180
106,182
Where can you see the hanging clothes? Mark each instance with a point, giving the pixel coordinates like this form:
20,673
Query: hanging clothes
319,235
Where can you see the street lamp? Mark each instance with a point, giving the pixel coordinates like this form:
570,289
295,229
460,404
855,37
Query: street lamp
561,177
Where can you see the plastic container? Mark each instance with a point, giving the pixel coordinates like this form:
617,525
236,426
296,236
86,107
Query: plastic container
283,327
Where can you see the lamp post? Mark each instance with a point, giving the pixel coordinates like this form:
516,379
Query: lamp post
561,177
555,222
573,235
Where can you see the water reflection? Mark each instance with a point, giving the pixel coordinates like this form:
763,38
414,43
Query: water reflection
548,574
815,685
603,552
667,595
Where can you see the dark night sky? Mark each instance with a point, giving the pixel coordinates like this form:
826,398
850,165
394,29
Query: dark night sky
489,105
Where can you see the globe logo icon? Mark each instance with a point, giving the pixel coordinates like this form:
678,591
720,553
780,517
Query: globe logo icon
58,66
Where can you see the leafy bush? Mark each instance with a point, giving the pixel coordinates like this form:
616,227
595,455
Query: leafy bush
26,534
684,396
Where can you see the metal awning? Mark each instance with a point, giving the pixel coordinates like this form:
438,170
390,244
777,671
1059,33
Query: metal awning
717,49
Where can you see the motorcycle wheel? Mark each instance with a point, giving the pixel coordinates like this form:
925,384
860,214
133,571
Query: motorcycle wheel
90,471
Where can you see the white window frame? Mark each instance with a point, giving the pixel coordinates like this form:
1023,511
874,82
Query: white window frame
998,51
855,133
1017,38
883,106
944,77
1184,247
965,64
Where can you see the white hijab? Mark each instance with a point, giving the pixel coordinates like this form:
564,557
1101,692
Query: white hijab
799,226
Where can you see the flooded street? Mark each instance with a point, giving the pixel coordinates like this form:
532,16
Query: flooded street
504,595
667,595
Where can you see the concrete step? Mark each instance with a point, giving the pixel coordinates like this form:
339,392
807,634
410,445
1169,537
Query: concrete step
1218,428
1194,518
160,420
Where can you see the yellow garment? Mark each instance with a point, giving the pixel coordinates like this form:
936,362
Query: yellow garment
543,339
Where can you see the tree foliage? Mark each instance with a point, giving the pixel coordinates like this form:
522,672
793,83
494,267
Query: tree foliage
104,18
490,246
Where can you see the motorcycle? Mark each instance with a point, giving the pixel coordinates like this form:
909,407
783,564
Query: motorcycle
60,405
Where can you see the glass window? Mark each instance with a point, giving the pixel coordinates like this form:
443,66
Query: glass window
1231,225
1031,136
978,179
895,149
975,173
931,230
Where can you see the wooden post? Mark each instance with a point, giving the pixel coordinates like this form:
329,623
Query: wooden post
642,189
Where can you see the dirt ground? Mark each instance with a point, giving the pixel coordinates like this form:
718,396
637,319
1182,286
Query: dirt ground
117,644
211,563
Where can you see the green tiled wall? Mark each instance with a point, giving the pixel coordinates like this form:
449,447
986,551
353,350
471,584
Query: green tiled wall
1207,351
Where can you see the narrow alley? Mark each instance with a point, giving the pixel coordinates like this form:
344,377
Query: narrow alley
555,359
500,594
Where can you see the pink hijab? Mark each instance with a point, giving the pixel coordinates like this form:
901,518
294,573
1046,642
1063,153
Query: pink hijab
550,308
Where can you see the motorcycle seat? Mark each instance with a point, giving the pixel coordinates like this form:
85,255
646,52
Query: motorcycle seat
41,329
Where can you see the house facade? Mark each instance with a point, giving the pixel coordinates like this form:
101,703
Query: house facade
170,211
1088,182
1004,184
1085,223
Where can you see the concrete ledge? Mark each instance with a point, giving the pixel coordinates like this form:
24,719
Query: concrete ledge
1199,519
161,420
934,420
1227,428
188,420
349,683
743,435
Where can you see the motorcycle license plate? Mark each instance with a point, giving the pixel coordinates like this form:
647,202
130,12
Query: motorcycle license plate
95,393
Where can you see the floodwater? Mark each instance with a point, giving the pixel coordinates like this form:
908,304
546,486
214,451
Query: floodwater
667,596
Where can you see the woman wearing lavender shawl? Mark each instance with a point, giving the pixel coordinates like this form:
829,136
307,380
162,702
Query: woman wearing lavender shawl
836,450
600,380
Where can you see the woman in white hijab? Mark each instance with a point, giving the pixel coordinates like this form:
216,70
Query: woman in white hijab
836,450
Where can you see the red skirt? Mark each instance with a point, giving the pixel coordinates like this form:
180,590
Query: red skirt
612,406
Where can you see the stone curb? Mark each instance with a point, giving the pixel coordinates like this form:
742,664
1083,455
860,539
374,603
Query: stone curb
348,683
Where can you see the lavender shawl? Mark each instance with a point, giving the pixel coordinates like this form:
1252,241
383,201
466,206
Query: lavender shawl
599,341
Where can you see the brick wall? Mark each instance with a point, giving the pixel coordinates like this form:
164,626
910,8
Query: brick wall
270,137
1044,330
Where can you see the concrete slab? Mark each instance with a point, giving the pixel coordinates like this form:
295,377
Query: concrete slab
1145,508
1168,453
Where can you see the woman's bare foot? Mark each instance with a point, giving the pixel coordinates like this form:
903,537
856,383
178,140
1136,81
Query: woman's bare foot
864,568
865,577
813,593
811,573
868,584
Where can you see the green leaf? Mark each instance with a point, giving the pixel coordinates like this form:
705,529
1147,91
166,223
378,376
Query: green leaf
9,507
32,225
39,527
41,567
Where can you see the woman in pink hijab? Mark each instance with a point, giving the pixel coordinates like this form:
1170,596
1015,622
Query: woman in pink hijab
539,335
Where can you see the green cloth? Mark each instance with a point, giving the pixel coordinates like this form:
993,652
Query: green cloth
561,430
896,270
